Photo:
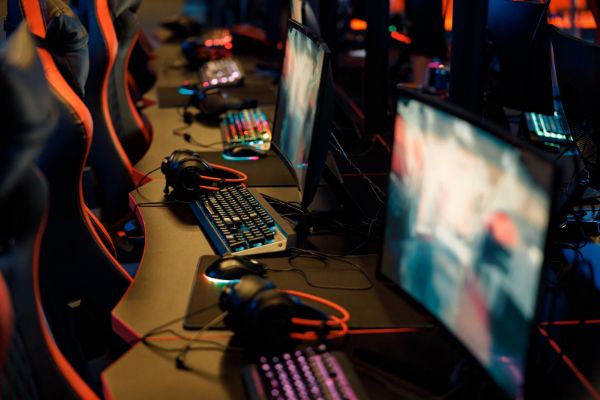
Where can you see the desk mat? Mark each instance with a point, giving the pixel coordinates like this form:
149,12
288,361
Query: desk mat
268,171
169,97
378,307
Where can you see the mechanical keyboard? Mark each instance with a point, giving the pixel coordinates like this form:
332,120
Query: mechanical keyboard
302,374
218,37
239,221
249,126
220,73
548,128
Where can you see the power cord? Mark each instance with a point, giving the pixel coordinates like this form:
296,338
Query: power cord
379,194
143,178
296,210
180,359
209,345
162,328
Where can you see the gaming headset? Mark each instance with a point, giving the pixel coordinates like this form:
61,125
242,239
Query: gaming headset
188,174
211,102
268,320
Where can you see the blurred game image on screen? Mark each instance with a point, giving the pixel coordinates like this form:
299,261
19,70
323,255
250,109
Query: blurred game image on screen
297,103
465,233
296,10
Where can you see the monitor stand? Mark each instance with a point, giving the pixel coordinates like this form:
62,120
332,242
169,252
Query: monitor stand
331,200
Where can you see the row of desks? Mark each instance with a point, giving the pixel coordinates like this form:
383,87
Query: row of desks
174,243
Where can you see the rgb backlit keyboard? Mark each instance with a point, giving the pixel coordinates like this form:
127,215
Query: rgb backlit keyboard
238,220
249,126
302,374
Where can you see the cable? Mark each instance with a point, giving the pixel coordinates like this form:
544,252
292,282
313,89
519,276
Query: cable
153,331
143,178
180,359
297,253
299,211
182,351
291,204
333,321
241,177
187,137
539,22
188,119
379,194
387,331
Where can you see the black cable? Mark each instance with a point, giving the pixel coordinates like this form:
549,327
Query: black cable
299,211
167,324
539,22
379,194
182,351
298,253
180,362
143,178
190,139
292,204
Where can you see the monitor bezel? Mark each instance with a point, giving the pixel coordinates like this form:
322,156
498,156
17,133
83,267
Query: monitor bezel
319,147
388,282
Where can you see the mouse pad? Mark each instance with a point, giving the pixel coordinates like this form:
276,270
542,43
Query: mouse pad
268,171
378,306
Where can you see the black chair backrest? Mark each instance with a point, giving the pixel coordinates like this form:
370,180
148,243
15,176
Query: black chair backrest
36,368
108,158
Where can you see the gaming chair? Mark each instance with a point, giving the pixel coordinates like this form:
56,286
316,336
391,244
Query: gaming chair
6,324
141,74
78,264
112,168
36,367
135,130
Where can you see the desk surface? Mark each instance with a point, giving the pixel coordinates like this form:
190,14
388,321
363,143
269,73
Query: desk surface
174,244
161,289
160,292
164,120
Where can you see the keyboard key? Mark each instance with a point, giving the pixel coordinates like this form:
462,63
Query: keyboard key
240,224
305,374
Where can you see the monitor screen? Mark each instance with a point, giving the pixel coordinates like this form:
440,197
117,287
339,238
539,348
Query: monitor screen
466,226
299,133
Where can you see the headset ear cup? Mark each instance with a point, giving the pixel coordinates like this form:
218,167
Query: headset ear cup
184,170
268,322
236,299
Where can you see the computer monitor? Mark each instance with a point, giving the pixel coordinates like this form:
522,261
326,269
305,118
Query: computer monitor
467,217
296,10
304,108
518,35
577,65
306,12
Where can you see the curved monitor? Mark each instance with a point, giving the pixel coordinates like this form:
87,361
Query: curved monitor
302,123
577,65
467,219
518,34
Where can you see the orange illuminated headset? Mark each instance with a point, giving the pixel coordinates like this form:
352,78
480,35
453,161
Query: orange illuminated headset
266,319
188,174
